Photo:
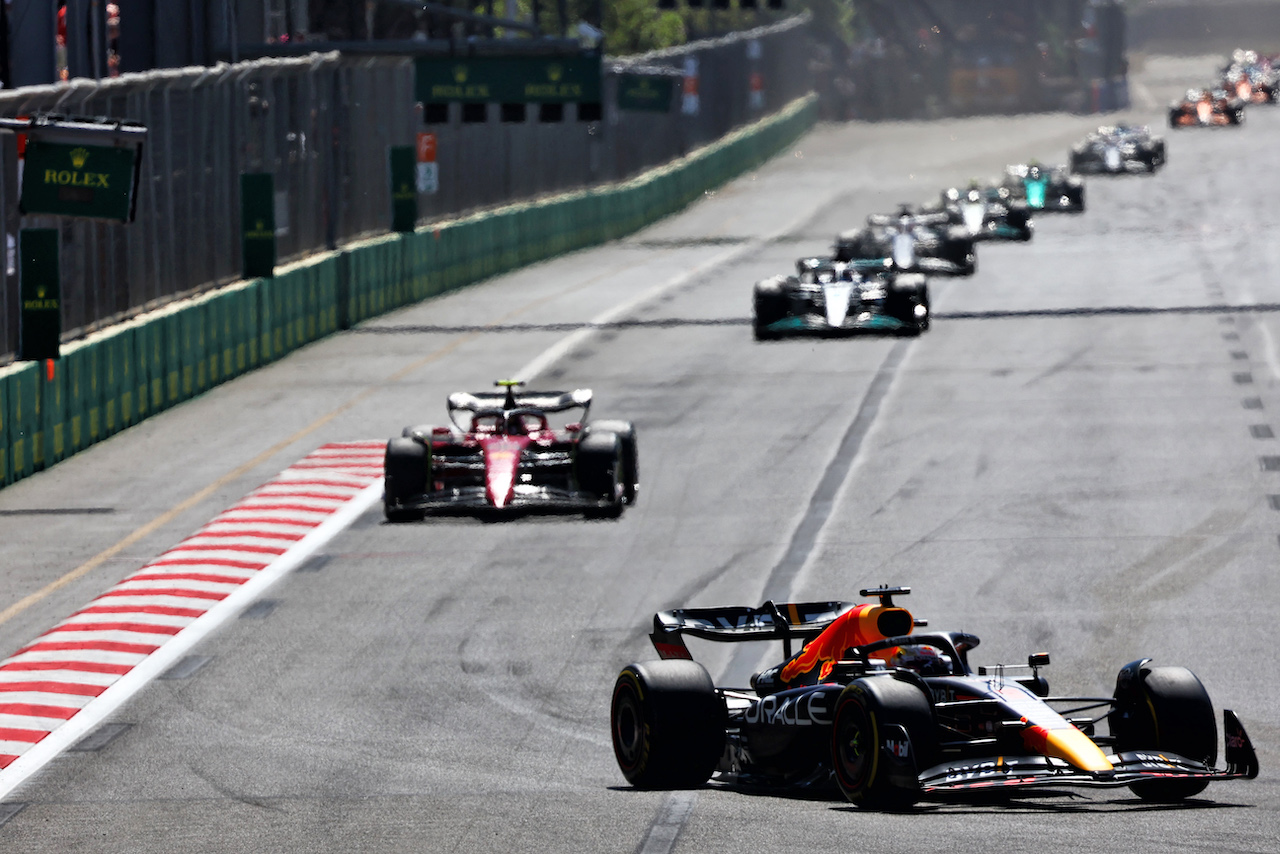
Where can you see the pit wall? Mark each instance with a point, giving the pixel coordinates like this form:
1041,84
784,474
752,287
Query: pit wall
130,371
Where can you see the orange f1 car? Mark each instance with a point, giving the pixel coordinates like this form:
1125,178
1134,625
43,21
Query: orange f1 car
1206,108
889,717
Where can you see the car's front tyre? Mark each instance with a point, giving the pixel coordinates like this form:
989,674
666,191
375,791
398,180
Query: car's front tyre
882,734
1164,708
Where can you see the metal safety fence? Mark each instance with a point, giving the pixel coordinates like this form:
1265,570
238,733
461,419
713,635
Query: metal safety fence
322,126
116,377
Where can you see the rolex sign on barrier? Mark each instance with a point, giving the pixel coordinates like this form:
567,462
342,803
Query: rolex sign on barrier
508,79
75,179
258,224
40,319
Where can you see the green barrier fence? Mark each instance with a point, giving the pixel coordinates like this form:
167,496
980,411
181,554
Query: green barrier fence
129,372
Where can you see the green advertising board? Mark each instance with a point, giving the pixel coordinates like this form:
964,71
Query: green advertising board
404,187
258,224
649,92
508,79
75,179
40,289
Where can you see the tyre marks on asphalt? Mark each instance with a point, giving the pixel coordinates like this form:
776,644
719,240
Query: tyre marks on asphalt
51,686
677,806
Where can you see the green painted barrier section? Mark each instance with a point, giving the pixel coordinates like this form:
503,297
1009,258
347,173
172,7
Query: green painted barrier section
23,409
118,377
6,469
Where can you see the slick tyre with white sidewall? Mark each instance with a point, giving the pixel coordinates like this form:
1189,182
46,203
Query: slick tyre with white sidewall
668,724
869,713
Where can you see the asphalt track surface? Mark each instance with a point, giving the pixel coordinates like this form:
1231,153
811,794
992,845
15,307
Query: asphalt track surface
1096,485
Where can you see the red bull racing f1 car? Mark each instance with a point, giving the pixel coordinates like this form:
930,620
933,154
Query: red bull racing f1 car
890,717
503,453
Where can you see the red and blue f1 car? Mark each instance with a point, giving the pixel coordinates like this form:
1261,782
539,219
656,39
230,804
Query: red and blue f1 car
891,717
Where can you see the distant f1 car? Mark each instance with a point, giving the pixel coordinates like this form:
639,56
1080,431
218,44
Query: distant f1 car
837,297
1206,108
1118,150
890,718
1044,189
985,215
503,453
912,242
1250,81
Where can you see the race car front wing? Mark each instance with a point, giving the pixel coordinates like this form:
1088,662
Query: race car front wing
1022,772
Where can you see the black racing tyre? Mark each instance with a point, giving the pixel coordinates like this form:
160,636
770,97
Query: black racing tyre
1159,149
424,430
1076,196
1174,116
630,474
1165,708
962,252
1019,219
406,470
598,467
769,305
867,773
901,302
668,724
1077,160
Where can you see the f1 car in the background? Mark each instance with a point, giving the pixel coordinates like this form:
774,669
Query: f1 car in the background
1043,189
985,215
912,242
891,718
1251,78
504,453
1206,108
828,296
1118,150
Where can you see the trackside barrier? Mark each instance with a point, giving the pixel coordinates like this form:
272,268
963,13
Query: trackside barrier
127,372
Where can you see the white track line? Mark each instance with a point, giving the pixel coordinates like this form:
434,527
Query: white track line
46,684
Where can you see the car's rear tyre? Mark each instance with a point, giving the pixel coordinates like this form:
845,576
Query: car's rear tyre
598,468
406,471
668,724
1164,708
769,305
630,473
962,252
904,298
867,773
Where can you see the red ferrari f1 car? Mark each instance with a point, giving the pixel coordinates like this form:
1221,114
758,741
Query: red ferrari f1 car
503,452
890,717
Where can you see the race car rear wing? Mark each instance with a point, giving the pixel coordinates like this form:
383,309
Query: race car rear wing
803,620
547,401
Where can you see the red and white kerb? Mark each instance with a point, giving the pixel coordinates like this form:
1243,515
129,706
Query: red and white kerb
47,683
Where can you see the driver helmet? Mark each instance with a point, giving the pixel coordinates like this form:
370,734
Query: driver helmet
925,660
